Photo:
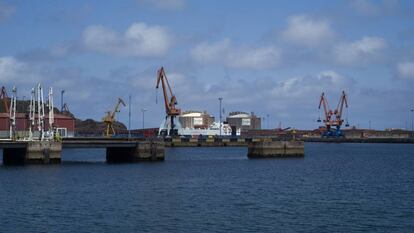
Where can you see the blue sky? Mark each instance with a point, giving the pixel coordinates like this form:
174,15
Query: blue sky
267,57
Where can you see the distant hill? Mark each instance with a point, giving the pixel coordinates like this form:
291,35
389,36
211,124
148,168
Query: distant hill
92,126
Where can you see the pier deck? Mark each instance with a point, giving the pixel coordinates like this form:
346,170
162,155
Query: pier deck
133,150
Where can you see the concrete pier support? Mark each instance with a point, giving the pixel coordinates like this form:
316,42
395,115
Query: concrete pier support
143,151
276,149
43,152
149,151
35,152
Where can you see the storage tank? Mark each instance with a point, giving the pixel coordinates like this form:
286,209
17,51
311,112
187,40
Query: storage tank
196,120
244,121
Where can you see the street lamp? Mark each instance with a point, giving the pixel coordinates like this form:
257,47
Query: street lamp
61,100
262,126
129,117
412,122
143,118
220,99
268,120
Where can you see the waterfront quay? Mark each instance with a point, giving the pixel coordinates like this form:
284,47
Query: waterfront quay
143,149
130,150
361,140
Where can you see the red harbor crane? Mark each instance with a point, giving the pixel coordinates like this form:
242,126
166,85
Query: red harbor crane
170,102
333,118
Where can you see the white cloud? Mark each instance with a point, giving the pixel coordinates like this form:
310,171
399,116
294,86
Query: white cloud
139,40
406,70
361,51
223,52
6,11
308,32
302,87
365,7
293,100
10,69
165,4
210,52
256,58
374,8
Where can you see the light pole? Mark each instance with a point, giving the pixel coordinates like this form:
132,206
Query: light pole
61,100
262,126
268,120
412,122
129,117
143,118
220,99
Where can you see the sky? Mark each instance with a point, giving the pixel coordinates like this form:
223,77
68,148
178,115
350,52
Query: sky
273,58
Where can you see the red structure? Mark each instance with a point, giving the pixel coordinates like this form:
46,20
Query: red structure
65,124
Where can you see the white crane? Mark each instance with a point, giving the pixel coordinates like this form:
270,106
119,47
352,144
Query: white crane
40,112
32,110
51,114
13,115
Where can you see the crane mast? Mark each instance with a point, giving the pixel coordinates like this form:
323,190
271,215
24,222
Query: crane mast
13,115
40,112
51,114
32,110
109,118
170,102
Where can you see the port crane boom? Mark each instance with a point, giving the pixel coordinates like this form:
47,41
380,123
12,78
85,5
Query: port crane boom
170,102
109,118
328,113
4,97
338,112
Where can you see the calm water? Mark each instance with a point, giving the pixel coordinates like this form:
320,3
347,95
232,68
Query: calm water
335,188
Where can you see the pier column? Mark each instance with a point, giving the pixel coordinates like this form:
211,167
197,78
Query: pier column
35,152
143,151
149,151
276,149
43,152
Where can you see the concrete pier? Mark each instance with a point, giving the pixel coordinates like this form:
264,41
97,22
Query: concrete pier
142,151
45,152
34,152
276,149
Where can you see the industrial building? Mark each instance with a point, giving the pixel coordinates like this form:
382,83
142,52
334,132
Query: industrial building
65,125
196,120
244,121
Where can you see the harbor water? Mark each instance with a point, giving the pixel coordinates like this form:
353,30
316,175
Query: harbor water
333,188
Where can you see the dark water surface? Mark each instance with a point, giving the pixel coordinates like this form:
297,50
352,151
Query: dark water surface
334,188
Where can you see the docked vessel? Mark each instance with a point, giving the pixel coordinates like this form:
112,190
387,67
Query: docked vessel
212,130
